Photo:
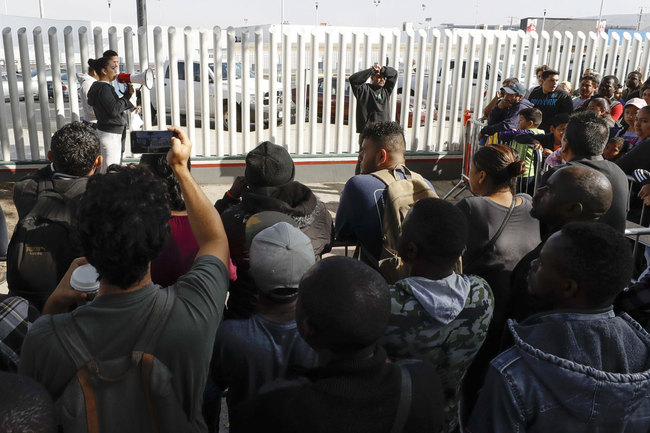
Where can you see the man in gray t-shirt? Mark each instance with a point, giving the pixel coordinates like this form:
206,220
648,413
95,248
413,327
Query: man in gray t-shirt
123,226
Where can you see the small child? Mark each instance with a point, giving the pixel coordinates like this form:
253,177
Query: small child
529,120
629,115
566,85
616,147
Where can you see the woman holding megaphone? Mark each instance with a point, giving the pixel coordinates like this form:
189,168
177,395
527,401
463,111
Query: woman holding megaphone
108,108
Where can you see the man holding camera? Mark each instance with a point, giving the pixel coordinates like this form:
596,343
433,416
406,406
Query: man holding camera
373,97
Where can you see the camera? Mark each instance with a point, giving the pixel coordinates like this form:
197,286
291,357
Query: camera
151,141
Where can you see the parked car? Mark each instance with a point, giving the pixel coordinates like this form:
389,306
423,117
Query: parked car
19,84
346,105
251,90
452,65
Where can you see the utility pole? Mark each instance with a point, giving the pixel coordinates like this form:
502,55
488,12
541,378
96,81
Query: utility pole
376,3
40,6
110,17
511,18
316,3
543,22
600,16
638,23
141,8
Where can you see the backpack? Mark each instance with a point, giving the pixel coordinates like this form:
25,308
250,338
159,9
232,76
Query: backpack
399,197
132,393
44,242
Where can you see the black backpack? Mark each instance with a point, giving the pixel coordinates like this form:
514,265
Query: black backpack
130,393
44,242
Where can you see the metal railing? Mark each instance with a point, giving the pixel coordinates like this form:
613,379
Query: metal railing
290,60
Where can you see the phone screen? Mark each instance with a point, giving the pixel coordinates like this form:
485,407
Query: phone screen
151,141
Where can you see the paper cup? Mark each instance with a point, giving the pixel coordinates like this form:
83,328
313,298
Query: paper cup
85,279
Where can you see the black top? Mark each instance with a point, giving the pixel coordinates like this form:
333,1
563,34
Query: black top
617,213
108,106
550,104
638,157
372,101
346,396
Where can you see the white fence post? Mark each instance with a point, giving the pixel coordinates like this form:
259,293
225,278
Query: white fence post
313,95
98,41
273,78
189,87
577,60
218,89
173,77
614,40
300,95
10,65
259,75
286,89
245,94
431,95
444,89
340,93
327,91
160,79
143,54
233,115
205,93
32,130
530,78
73,96
43,98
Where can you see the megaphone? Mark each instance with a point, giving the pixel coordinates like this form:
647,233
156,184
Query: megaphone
144,78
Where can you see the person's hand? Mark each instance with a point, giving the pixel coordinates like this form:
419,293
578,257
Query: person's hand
238,187
377,69
64,296
129,89
546,152
179,154
644,194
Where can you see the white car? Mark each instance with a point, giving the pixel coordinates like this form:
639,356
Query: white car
21,91
238,88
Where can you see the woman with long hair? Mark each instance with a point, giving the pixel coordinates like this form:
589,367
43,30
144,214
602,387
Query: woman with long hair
108,108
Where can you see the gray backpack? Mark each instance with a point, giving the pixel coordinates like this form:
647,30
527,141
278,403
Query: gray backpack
132,393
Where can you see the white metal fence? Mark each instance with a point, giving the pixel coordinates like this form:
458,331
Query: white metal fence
288,60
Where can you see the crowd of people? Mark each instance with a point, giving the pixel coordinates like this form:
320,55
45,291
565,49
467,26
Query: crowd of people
502,312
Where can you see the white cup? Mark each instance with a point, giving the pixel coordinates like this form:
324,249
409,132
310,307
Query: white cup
85,279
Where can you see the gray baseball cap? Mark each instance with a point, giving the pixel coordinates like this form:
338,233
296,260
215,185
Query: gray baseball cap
279,257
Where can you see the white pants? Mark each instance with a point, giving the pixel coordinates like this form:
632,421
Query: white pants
111,149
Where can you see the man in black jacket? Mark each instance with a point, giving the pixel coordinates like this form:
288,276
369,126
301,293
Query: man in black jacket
373,98
268,185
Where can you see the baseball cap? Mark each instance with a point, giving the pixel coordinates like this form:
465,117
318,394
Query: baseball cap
279,257
514,89
636,102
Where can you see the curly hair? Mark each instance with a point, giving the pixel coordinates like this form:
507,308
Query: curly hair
157,163
123,223
75,147
501,164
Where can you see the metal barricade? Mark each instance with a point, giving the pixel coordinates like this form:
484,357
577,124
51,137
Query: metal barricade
633,230
472,129
529,181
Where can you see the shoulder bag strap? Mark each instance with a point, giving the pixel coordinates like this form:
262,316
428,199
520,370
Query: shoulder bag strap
72,341
157,320
496,236
404,405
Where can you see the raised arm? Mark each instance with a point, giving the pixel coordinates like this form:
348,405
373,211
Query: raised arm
359,78
391,78
204,219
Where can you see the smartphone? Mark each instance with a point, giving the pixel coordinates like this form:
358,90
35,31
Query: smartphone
151,141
